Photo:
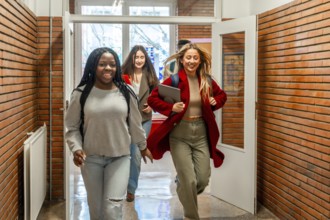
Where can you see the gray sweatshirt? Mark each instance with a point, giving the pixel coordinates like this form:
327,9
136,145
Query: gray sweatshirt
106,131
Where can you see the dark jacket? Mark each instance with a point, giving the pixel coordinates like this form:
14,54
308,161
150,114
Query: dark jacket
158,140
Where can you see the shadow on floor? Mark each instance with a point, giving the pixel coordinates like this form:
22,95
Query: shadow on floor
156,199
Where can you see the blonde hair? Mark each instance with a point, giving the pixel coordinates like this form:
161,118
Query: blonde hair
204,69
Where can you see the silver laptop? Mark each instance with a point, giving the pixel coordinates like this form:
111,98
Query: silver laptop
169,94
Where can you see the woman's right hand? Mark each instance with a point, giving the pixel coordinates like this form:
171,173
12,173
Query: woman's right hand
178,107
79,157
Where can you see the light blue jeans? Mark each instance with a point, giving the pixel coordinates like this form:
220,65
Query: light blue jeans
135,168
105,180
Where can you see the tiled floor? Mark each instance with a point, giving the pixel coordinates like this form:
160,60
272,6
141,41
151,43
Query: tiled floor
156,199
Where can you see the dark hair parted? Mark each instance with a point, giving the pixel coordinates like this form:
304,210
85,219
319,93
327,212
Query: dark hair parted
147,69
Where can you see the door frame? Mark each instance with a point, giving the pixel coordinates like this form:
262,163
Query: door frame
230,174
68,88
72,19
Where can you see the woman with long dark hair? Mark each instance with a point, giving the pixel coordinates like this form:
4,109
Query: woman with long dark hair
139,72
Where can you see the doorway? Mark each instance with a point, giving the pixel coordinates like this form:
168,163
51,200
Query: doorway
234,60
142,20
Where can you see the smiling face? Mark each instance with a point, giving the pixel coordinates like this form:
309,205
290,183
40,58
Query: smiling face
105,71
140,60
191,61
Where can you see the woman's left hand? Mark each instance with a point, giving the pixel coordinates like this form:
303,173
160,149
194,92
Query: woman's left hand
146,153
212,101
147,108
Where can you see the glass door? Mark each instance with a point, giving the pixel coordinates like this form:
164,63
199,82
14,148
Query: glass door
234,65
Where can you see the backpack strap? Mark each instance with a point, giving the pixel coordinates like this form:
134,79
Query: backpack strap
175,80
78,89
83,98
172,66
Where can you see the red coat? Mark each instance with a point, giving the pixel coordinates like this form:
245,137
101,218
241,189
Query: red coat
126,79
158,140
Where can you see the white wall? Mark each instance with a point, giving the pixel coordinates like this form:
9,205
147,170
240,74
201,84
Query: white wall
41,7
260,6
235,8
31,4
242,8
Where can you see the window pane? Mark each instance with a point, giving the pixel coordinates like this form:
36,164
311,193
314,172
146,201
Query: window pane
101,10
233,81
149,11
178,7
155,38
101,35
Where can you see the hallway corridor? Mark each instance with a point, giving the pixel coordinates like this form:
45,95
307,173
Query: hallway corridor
156,199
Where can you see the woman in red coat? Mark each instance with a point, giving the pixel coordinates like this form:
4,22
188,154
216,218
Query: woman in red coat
190,132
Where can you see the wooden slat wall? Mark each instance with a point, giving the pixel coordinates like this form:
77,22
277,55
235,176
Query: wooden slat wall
24,99
18,101
57,150
294,117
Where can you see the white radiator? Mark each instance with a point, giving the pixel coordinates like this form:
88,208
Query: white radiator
35,173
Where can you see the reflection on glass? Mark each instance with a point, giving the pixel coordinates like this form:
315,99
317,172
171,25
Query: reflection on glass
178,7
101,10
233,84
155,38
101,35
149,11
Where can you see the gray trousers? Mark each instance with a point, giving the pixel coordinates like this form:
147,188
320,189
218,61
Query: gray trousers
191,158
